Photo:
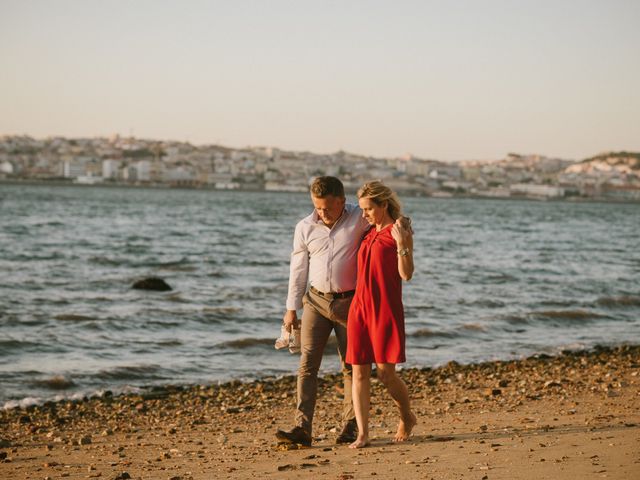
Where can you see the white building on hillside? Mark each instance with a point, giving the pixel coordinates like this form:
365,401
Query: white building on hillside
74,168
6,167
143,168
178,174
534,190
110,168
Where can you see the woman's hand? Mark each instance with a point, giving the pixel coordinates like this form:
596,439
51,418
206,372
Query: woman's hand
402,233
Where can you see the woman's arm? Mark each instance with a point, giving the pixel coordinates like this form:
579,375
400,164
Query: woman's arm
404,242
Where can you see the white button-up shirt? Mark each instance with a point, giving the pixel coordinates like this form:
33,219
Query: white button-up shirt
327,258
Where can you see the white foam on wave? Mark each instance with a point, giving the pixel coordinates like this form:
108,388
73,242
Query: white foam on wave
24,403
33,401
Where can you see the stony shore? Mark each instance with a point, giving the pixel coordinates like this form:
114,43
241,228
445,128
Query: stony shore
572,416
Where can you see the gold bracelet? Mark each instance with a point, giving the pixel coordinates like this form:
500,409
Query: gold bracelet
404,252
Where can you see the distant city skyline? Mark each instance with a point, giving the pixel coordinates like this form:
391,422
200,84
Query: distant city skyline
451,81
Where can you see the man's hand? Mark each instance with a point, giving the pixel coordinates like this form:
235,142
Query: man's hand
290,319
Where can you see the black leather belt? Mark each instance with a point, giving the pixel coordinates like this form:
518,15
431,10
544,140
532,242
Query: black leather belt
332,295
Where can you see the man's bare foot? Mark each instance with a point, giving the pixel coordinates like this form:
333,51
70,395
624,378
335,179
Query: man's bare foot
360,442
405,427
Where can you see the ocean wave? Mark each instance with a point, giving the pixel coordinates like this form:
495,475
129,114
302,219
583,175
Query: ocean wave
556,316
178,268
57,301
499,278
428,333
57,382
227,243
474,327
250,342
247,343
22,403
52,223
178,233
221,310
107,261
8,344
420,307
138,238
460,331
621,301
515,319
168,343
136,249
249,293
216,274
556,303
72,317
30,401
37,258
133,261
483,302
566,314
131,372
182,265
16,229
171,342
175,297
161,324
263,263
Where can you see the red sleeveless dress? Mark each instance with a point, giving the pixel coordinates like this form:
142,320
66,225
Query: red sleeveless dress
375,327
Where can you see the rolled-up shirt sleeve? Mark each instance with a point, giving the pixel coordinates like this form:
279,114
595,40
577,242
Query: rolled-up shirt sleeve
298,270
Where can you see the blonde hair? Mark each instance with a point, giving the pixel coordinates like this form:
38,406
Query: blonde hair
379,193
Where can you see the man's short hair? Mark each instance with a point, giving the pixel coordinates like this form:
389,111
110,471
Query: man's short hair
325,186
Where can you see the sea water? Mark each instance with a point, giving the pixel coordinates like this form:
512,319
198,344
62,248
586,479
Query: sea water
494,279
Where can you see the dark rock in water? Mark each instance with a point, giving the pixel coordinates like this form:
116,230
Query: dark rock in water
57,382
152,283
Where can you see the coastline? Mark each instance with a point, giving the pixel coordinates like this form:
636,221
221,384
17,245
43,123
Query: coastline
411,193
573,415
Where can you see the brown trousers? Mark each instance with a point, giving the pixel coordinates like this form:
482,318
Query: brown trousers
319,317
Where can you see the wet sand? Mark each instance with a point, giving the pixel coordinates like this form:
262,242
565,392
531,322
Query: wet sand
572,416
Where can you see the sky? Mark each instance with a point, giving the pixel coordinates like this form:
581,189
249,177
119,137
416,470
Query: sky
447,80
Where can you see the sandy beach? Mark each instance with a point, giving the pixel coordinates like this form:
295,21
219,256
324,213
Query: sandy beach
572,416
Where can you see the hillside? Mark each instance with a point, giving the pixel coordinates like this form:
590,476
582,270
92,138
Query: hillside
630,159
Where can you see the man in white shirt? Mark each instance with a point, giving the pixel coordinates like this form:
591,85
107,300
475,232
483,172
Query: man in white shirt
324,256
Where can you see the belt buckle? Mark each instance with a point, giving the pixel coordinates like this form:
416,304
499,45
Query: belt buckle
330,295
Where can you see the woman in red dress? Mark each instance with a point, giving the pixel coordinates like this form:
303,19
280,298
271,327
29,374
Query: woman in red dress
375,328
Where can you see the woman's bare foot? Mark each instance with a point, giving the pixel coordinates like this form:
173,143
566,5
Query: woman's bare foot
405,427
360,442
